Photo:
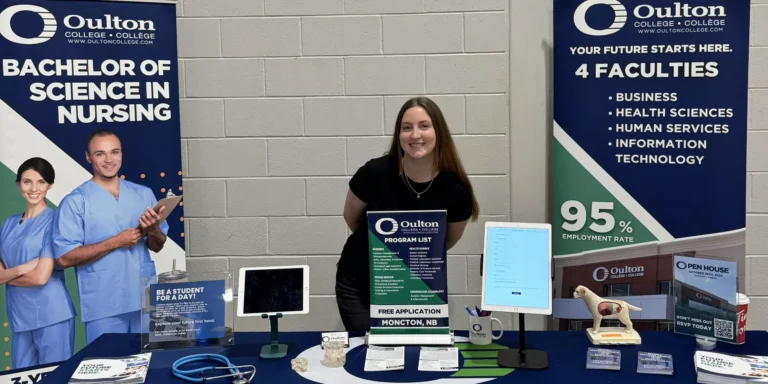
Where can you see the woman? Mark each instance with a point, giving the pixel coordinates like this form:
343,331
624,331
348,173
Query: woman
422,171
39,308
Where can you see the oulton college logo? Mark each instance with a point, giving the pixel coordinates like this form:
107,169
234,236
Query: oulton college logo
600,274
49,24
384,220
619,19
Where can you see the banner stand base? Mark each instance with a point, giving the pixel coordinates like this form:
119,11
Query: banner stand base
409,339
705,342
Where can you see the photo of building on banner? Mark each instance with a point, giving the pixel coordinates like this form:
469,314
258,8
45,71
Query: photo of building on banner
409,277
89,145
649,149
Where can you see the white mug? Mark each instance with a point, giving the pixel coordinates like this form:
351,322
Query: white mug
481,330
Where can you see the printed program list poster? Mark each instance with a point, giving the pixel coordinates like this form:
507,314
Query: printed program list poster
408,269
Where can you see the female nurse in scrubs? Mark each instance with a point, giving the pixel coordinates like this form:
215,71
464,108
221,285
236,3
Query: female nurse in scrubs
40,311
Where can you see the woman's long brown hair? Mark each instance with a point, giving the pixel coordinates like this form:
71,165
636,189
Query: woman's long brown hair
447,157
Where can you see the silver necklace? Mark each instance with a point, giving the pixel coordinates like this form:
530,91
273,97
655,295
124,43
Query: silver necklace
418,194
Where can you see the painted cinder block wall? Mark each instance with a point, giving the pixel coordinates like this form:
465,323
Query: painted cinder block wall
757,169
283,100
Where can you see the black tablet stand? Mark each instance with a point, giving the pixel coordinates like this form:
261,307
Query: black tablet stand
522,357
273,350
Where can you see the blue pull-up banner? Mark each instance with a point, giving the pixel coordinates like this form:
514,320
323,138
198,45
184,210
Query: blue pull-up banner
67,69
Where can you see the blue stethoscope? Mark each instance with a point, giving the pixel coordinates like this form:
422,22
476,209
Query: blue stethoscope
239,377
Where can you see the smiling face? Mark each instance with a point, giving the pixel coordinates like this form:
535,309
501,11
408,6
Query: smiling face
106,155
417,133
33,187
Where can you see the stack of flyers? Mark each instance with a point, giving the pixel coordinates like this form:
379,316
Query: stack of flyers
384,359
439,359
125,370
601,358
716,367
655,363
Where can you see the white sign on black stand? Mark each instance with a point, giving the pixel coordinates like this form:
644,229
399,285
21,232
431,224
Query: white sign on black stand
517,278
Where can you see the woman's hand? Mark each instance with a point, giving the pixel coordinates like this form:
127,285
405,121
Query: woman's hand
19,272
28,267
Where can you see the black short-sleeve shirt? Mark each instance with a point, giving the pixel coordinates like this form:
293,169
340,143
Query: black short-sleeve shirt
378,184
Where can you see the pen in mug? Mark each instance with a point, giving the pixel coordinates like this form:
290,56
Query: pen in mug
470,312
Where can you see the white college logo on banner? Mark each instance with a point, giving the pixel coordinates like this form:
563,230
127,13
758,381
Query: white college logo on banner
678,10
49,24
600,274
580,17
78,29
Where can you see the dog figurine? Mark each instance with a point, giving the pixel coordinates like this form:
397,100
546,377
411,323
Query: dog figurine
605,308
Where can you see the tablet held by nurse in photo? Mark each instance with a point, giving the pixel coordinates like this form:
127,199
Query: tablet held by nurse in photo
40,311
105,229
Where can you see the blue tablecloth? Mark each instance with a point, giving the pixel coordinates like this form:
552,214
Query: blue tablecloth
566,352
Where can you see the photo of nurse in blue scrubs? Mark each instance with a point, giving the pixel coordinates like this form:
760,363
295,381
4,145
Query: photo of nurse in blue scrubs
40,311
105,229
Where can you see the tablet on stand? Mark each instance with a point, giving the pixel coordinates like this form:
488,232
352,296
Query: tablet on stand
273,292
517,278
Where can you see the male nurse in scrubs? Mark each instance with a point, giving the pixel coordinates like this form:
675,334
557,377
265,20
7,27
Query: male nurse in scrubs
39,308
95,231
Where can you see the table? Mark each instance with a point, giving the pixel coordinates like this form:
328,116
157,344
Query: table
566,352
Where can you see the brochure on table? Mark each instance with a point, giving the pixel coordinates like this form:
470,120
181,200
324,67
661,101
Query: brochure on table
706,295
183,310
714,367
409,278
126,370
